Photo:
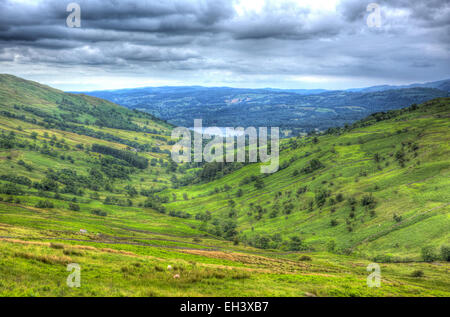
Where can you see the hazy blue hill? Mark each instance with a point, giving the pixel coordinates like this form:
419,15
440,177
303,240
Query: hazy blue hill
441,84
292,110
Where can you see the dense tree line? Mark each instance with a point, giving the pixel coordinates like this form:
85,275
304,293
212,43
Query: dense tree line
22,180
215,170
132,158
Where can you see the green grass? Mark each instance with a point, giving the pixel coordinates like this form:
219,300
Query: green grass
40,270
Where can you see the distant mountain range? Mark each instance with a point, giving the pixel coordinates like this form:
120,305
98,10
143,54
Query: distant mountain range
441,84
293,110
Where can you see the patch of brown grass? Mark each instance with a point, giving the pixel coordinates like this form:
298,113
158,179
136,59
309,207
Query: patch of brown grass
46,244
55,245
275,265
108,250
47,258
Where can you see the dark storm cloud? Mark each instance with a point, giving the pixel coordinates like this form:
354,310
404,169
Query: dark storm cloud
153,16
266,38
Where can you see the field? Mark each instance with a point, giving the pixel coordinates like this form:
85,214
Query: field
103,193
126,262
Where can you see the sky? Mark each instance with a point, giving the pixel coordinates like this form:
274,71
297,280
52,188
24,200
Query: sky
301,44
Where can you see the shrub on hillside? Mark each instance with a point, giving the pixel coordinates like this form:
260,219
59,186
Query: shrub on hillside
331,246
312,166
417,273
351,201
305,258
321,197
259,184
44,204
10,189
74,207
397,218
22,180
99,212
445,252
301,190
368,201
295,244
428,254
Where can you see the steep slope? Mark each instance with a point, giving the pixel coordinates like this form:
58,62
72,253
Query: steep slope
380,188
49,129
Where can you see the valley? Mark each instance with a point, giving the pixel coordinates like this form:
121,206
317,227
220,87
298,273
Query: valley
86,181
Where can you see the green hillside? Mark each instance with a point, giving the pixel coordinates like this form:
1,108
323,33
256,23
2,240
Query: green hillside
379,188
57,130
86,181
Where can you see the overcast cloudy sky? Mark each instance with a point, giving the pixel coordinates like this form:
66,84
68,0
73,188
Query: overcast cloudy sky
239,43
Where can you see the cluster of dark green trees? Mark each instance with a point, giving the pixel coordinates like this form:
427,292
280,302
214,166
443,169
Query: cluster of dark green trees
276,241
131,158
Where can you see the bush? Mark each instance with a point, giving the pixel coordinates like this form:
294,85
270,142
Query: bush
44,204
445,252
99,212
312,166
158,268
295,244
259,184
305,258
321,197
397,218
369,201
10,189
74,207
22,180
428,254
73,252
417,273
331,246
